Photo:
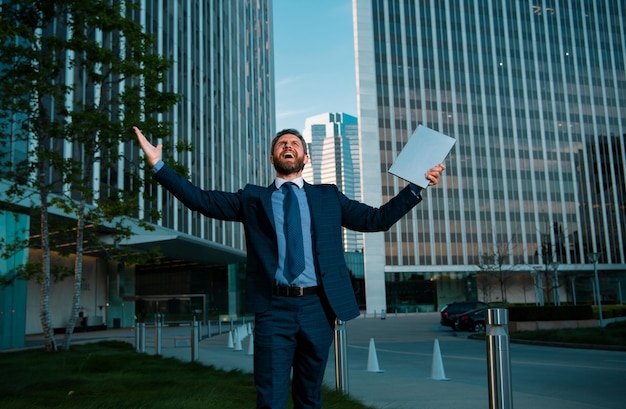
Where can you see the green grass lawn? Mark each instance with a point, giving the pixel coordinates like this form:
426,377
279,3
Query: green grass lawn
110,374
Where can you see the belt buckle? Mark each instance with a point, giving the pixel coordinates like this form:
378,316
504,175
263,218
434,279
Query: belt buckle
300,291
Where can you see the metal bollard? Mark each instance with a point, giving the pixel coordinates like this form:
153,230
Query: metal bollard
341,357
137,337
142,337
158,336
194,342
498,359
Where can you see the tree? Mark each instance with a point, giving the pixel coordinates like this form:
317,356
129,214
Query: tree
551,254
494,265
75,75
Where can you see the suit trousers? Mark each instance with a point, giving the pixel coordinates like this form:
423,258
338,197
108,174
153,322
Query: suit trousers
294,333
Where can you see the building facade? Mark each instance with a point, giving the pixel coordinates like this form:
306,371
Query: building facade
333,144
222,55
223,67
535,95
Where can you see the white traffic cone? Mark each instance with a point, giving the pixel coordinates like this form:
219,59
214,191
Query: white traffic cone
437,373
372,358
230,340
251,345
238,341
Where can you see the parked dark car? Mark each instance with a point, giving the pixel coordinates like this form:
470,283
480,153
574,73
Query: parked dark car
473,321
449,312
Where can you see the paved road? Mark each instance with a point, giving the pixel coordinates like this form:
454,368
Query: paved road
542,377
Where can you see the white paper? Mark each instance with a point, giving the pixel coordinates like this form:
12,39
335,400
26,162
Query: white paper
424,150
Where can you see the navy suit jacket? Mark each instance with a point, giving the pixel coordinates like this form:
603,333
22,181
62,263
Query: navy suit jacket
330,210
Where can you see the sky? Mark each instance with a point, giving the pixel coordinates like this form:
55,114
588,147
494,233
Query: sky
313,60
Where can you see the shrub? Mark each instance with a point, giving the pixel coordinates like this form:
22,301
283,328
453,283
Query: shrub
550,313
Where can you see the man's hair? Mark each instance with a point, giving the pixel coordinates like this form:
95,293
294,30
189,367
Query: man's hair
289,131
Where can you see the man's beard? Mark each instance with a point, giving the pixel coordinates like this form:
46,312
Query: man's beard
288,169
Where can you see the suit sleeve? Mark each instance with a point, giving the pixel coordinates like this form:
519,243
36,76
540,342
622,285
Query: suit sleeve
211,203
362,217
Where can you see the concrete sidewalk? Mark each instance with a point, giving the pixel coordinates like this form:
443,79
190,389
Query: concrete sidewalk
403,381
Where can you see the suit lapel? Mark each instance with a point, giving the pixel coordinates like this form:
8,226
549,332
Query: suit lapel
315,203
266,202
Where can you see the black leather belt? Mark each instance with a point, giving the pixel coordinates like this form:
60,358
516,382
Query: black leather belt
284,291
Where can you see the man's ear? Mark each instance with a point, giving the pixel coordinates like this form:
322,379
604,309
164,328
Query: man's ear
272,159
306,158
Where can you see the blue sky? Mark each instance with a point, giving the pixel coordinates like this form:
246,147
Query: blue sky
313,60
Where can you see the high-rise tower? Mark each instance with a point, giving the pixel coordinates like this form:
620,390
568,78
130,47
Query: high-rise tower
222,54
535,95
334,158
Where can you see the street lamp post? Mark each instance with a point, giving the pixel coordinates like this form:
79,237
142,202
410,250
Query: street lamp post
593,257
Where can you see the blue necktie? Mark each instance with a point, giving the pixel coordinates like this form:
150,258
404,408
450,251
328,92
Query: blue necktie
294,262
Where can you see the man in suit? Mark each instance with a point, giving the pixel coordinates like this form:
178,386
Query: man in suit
297,280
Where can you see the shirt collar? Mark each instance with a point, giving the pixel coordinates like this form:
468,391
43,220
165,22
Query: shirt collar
299,181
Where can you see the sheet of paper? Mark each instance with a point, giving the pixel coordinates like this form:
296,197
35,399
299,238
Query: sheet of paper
425,149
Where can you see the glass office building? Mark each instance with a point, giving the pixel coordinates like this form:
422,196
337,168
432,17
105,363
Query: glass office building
535,95
223,67
332,140
222,53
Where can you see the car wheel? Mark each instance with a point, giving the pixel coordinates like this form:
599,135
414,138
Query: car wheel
479,327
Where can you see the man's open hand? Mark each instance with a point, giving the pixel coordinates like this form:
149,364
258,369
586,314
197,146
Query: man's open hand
153,153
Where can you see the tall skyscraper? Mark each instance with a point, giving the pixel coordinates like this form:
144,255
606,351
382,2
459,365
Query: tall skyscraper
223,67
535,94
222,53
334,158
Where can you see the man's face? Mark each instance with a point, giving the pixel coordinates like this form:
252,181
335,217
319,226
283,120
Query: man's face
288,156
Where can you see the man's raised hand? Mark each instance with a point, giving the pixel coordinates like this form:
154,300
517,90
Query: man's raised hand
153,153
434,174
